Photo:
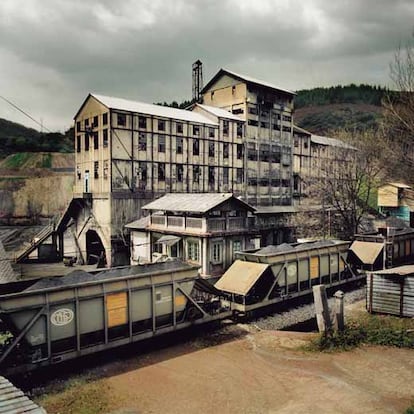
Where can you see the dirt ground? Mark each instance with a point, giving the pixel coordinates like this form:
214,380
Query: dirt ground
243,370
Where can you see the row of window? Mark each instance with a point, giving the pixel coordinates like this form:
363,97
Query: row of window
265,182
266,125
216,250
91,123
94,137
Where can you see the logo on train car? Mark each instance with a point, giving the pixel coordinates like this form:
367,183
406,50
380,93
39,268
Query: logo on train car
62,317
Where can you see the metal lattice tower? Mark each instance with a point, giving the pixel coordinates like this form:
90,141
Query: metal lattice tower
197,80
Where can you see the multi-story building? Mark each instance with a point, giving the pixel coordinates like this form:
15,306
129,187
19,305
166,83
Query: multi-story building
267,112
204,229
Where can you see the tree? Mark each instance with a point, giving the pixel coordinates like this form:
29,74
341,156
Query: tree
346,180
399,111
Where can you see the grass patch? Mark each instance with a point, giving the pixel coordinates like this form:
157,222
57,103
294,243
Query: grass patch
17,160
46,161
81,395
410,409
369,329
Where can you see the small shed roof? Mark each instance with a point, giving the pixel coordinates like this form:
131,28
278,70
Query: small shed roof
219,112
398,185
367,252
139,224
149,109
240,277
193,202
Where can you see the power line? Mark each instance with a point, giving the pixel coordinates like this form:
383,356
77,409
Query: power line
25,113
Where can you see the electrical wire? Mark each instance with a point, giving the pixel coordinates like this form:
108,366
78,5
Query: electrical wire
25,113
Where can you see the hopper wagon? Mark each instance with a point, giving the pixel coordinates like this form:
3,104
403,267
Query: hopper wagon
56,319
270,275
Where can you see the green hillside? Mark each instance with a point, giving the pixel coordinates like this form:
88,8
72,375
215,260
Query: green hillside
16,138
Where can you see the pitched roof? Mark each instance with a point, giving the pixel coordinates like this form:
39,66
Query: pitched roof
247,79
193,202
149,109
332,142
139,224
219,112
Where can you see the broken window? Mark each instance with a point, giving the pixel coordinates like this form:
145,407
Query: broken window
142,122
161,125
239,151
95,140
225,128
142,141
196,173
180,173
196,130
179,128
211,175
196,147
78,143
161,143
121,119
161,172
211,149
211,132
239,129
225,175
105,137
105,119
226,147
179,145
96,169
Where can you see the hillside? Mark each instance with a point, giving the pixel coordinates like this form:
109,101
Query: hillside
355,107
37,160
17,138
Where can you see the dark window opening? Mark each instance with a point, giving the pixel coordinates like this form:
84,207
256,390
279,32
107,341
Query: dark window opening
211,132
179,128
121,119
196,147
252,122
95,121
252,110
78,143
142,122
78,126
105,119
225,175
105,137
226,150
179,145
196,130
95,140
86,142
180,173
161,172
142,141
237,111
252,155
225,128
239,176
239,151
96,169
161,143
239,130
211,149
211,175
196,173
161,125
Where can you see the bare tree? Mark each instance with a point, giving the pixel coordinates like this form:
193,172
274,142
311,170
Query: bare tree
346,180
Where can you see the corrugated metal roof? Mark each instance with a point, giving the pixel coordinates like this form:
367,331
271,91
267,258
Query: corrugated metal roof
168,240
139,224
398,185
367,252
301,130
194,202
219,112
276,209
13,400
240,277
400,270
150,109
332,142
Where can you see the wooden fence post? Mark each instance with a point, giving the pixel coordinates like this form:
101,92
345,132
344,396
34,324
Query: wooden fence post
321,308
339,310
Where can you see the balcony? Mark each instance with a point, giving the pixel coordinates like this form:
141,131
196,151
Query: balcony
201,224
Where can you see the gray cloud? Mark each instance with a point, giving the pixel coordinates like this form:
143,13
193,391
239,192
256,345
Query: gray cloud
54,52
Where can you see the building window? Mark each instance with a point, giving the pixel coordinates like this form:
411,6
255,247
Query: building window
239,129
161,125
105,119
196,147
239,175
105,137
196,173
211,175
78,143
252,122
212,95
142,174
161,143
105,169
96,169
211,132
239,151
211,149
226,148
142,141
305,144
237,246
180,173
225,175
78,172
286,118
86,142
86,123
193,250
95,122
179,145
161,172
225,128
296,143
196,130
142,122
237,111
95,140
217,252
78,126
264,124
252,110
121,118
179,128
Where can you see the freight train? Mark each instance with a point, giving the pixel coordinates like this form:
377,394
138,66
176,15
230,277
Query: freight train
51,320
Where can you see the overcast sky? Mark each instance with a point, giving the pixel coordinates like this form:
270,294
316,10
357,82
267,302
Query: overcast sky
54,52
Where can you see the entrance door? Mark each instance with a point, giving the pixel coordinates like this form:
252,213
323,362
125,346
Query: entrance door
87,181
